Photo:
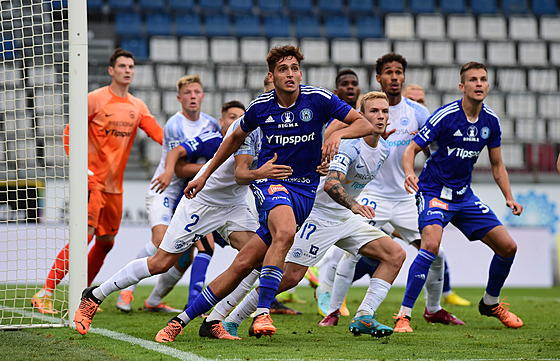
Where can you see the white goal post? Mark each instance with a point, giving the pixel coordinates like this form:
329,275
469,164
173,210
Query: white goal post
43,194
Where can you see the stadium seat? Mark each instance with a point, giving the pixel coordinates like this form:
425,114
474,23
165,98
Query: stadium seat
224,50
127,6
247,25
492,27
253,50
270,7
299,7
466,51
509,7
511,80
543,80
549,105
550,28
362,73
9,48
521,105
255,77
316,50
169,104
554,130
240,7
151,6
144,76
188,25
422,6
48,102
164,49
369,27
338,27
544,7
158,24
152,98
11,76
438,52
500,53
374,49
430,26
532,53
480,7
277,26
137,46
129,25
360,7
211,6
244,96
461,27
392,6
345,51
181,6
523,28
399,26
446,79
193,49
167,76
554,54
419,75
230,77
330,7
218,25
411,50
307,26
453,6
206,73
322,76
59,4
496,101
95,6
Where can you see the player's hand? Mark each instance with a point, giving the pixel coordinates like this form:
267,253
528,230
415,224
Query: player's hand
161,182
414,132
275,171
516,207
195,186
411,183
386,133
365,211
323,168
330,147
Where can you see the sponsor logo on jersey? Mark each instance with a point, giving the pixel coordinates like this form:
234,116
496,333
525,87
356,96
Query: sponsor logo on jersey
458,133
405,121
120,123
288,117
270,119
293,139
431,213
436,203
298,180
117,133
463,153
277,188
288,125
401,132
306,115
398,143
485,132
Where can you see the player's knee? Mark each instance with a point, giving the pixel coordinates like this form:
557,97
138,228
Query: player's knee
160,262
508,250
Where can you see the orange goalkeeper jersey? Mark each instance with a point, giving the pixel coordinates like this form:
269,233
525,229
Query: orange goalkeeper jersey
112,125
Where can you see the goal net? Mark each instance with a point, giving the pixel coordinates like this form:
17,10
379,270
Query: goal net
34,171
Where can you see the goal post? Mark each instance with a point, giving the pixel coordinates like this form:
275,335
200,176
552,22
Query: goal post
43,194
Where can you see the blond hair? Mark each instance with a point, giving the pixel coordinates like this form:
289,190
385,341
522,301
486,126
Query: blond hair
372,95
188,79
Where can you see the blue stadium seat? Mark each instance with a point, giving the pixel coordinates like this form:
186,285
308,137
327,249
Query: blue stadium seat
211,6
453,6
514,6
128,25
218,25
338,27
137,46
277,27
270,7
360,7
240,6
182,6
307,27
9,48
248,25
544,7
330,7
422,6
158,24
148,6
122,5
483,7
369,27
300,7
94,5
392,6
188,25
59,4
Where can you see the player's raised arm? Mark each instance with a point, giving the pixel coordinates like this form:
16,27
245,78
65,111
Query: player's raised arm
410,180
226,149
357,127
335,189
501,178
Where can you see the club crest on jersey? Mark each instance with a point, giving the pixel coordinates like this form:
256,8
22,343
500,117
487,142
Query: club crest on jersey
288,117
306,115
180,244
277,188
485,132
132,114
436,203
405,121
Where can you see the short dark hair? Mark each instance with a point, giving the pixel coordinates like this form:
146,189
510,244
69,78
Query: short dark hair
387,58
232,104
278,53
342,73
471,65
118,53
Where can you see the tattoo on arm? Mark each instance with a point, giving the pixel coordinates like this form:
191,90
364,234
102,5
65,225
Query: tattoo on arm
337,192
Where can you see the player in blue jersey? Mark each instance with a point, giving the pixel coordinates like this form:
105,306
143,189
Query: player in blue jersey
460,130
291,118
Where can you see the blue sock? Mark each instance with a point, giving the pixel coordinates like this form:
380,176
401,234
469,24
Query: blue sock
446,284
268,286
365,266
203,303
198,275
499,270
417,274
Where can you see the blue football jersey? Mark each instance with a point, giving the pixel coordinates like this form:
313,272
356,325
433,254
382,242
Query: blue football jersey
294,133
448,170
203,146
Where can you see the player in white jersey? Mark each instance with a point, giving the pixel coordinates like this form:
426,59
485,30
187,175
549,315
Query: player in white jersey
340,222
185,124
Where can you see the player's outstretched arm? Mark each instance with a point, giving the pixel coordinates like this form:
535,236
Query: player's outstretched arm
163,180
410,180
501,178
357,127
226,149
244,176
334,188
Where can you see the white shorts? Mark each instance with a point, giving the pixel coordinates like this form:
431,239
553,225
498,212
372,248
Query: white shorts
402,215
159,208
316,236
193,220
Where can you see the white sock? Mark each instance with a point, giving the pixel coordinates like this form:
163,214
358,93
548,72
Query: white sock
490,300
245,308
327,270
227,304
183,316
147,251
343,280
376,293
131,274
165,283
434,283
406,310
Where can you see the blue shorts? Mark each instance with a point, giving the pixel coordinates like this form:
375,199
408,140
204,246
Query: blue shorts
270,194
470,215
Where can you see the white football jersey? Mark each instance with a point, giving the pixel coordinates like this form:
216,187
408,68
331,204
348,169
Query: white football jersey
406,117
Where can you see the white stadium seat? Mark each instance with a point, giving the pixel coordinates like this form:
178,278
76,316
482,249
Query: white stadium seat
549,105
254,50
230,76
399,26
411,50
543,80
421,76
345,51
438,52
523,28
446,78
461,27
466,51
164,49
430,26
144,76
521,105
501,53
206,74
532,53
322,76
511,80
167,75
550,28
316,50
492,27
194,49
224,50
373,50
